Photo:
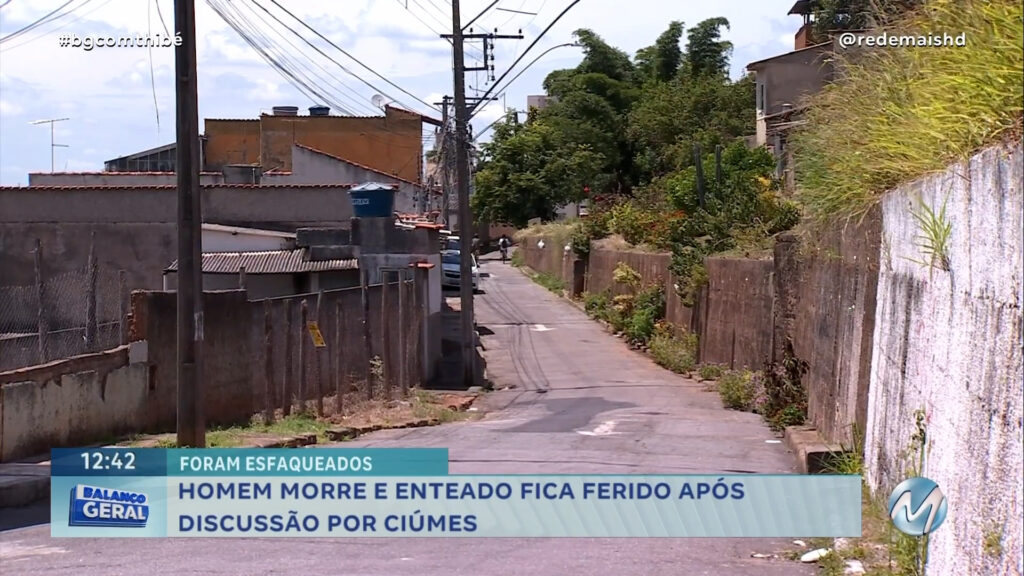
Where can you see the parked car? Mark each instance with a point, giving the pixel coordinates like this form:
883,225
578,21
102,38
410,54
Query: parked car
451,272
451,243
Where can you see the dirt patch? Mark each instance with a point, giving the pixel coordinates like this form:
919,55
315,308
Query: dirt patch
420,408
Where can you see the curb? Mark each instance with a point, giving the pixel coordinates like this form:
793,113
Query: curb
22,490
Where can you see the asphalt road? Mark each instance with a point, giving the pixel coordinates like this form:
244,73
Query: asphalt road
580,402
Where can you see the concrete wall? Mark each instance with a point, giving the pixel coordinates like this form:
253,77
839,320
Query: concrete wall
737,330
135,228
392,143
313,167
826,305
949,343
653,268
71,403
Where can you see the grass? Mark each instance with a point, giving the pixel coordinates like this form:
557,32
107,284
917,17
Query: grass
518,259
293,425
419,405
559,233
549,281
899,113
424,405
933,237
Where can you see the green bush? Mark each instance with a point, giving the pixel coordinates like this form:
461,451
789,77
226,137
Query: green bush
648,307
737,390
711,371
676,353
596,305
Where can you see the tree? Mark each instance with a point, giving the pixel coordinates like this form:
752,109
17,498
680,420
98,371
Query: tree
601,58
706,53
661,61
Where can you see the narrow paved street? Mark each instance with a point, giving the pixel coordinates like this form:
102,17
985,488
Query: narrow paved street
580,402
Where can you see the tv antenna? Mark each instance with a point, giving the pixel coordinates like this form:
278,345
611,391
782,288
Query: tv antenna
51,122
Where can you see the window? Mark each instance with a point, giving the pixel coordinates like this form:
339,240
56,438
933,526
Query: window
760,98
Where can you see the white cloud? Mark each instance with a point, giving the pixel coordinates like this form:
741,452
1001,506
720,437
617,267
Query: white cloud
109,92
10,108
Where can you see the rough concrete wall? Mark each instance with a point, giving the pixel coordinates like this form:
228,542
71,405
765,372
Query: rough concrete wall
551,259
949,343
652,267
71,403
227,357
135,229
738,329
825,303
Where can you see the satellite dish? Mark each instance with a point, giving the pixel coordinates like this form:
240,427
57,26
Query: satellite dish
377,101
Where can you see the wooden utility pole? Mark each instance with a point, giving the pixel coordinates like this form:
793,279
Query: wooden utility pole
191,421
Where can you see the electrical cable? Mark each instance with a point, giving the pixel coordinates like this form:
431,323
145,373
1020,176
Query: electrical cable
62,25
299,83
356,60
53,15
473,111
357,100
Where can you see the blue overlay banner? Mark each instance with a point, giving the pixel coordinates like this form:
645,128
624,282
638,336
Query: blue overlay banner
278,504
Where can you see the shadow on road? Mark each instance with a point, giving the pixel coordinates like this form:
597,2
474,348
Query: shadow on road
33,515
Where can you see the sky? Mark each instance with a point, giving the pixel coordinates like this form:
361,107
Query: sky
120,100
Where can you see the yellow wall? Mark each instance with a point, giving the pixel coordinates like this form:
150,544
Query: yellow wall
391,144
231,142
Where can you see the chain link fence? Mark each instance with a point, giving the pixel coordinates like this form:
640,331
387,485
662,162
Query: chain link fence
76,312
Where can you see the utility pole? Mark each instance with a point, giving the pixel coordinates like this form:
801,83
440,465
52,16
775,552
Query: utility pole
191,421
462,137
465,215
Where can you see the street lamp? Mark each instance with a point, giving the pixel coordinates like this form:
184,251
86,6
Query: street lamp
51,122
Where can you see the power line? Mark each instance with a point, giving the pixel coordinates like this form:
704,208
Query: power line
60,27
476,107
358,101
356,60
6,2
43,20
301,84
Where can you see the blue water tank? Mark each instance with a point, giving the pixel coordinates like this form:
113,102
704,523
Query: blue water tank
373,200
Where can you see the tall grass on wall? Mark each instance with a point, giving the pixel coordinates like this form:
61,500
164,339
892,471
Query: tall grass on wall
896,113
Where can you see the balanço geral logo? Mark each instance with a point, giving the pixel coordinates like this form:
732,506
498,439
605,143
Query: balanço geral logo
917,506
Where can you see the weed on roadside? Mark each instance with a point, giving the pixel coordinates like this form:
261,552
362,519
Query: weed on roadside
736,387
711,371
676,353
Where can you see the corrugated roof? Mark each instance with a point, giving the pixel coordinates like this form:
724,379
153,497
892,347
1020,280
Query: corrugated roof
268,262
